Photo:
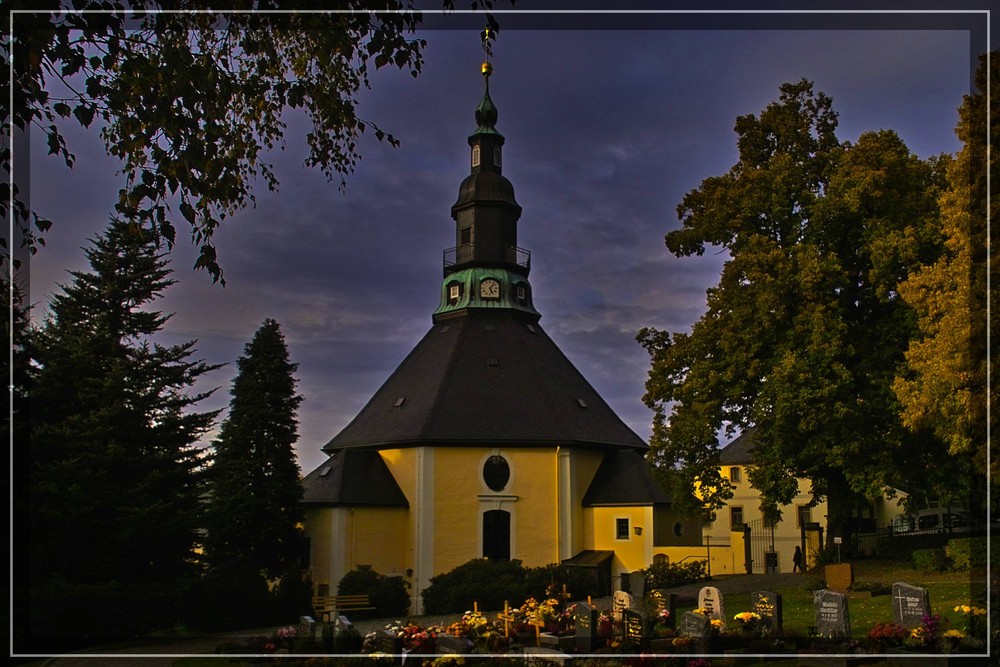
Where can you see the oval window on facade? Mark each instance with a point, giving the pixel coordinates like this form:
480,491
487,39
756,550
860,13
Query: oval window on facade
496,472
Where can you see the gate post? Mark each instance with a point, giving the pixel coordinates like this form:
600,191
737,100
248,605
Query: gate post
747,549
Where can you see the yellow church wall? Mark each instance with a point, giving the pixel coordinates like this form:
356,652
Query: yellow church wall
379,537
534,480
632,553
585,465
319,529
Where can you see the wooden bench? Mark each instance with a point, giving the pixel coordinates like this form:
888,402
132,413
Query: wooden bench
328,606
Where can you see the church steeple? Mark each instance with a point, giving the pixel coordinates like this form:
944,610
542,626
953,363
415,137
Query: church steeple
486,268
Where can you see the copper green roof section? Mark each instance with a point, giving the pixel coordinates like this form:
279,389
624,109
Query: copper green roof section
486,113
465,289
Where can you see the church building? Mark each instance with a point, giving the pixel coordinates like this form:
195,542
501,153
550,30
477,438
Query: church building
486,442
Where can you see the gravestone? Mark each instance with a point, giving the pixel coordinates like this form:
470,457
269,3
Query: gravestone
767,605
452,644
666,601
637,584
635,629
909,604
832,616
307,627
710,599
346,639
621,601
388,642
585,620
694,625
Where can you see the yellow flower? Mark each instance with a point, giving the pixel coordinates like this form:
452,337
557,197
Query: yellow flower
957,634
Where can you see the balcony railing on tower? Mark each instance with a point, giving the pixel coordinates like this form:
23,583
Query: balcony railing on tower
487,255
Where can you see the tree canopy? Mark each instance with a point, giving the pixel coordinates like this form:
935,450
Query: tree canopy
942,389
805,331
190,101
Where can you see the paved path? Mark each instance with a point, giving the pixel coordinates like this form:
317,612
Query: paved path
163,652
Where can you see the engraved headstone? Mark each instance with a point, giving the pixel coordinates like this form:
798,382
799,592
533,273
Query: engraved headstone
909,604
346,639
767,605
585,620
635,628
666,601
621,601
694,625
637,584
710,599
307,627
832,616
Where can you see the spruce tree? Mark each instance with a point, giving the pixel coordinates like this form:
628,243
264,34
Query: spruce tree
255,486
116,477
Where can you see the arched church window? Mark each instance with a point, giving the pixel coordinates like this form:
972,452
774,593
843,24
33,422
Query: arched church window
496,535
475,156
496,472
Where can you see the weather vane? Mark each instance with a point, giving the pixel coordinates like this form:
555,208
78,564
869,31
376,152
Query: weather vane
488,35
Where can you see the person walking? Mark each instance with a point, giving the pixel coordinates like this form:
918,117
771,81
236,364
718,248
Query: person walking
797,560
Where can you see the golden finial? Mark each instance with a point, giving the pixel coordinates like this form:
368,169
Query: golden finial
487,68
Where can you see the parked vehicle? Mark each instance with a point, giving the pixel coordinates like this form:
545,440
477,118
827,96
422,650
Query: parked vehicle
939,519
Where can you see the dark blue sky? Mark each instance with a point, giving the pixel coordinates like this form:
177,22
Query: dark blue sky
606,131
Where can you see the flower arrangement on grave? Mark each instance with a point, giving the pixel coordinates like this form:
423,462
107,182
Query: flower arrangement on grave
662,625
925,634
951,639
604,624
888,634
748,622
472,626
282,640
975,618
417,639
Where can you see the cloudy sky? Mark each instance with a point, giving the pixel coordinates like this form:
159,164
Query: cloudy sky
609,119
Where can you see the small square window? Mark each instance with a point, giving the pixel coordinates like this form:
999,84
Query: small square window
454,291
621,529
736,517
734,475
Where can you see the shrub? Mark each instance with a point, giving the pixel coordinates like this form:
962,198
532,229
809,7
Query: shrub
230,597
668,575
967,552
480,580
930,560
387,594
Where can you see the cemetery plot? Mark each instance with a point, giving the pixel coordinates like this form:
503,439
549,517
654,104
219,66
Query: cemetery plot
831,612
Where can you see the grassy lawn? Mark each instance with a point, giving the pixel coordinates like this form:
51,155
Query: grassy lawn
946,589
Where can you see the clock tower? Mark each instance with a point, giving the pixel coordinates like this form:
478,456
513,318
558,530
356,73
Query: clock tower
486,268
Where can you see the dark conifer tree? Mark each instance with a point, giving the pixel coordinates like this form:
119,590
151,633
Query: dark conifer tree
255,486
116,478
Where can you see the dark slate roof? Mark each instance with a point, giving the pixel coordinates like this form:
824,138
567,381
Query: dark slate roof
486,378
623,478
590,558
739,451
353,478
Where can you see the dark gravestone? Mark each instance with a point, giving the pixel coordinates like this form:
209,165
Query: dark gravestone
666,601
307,627
585,619
909,604
637,584
388,642
634,622
832,616
346,638
452,644
694,625
767,605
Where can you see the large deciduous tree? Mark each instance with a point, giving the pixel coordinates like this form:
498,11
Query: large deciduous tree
115,473
942,389
805,330
255,487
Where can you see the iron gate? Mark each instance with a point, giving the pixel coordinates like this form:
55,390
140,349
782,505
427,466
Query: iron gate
758,541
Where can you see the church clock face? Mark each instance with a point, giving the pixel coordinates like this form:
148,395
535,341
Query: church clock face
489,289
